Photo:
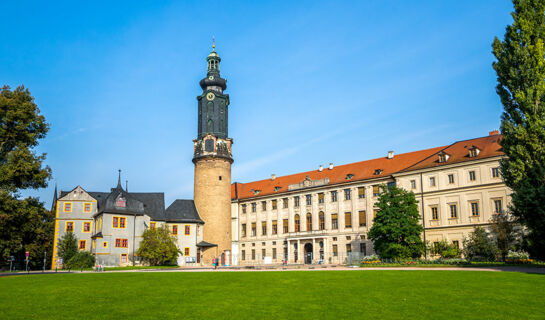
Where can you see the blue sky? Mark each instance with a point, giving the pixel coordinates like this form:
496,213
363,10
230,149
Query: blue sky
310,82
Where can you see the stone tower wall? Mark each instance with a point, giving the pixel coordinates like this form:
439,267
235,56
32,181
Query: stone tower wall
213,202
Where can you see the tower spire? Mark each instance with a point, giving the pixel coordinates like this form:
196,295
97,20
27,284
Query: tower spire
213,44
119,179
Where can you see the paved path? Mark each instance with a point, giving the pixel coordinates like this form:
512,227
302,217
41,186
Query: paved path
307,268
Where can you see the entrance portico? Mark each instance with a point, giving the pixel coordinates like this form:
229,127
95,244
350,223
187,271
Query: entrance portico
306,249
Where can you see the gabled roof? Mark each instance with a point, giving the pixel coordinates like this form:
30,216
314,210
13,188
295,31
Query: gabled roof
376,168
183,211
364,170
489,146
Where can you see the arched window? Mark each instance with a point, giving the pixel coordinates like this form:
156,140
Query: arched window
309,222
297,223
210,125
322,220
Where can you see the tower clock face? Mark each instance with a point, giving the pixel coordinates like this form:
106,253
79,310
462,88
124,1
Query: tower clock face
210,96
211,77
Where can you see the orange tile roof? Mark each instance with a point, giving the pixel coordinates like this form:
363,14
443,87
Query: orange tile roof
364,170
488,146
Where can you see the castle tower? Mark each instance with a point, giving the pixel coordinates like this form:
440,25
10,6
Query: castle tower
212,159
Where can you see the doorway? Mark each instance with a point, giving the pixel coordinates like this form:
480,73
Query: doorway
308,253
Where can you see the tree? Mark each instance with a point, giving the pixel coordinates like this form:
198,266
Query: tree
67,247
506,233
25,225
446,250
158,247
520,69
396,231
82,259
479,247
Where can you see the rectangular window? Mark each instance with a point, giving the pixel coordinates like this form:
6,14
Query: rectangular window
67,207
263,205
495,172
453,211
243,253
121,243
243,231
413,184
320,198
175,230
451,178
118,222
333,196
376,191
285,226
472,175
432,181
274,227
69,227
362,218
335,250
348,248
243,208
264,228
474,209
456,244
254,207
434,213
122,222
105,244
254,229
124,258
285,203
347,195
263,253
187,252
152,225
82,244
363,249
187,230
361,192
297,223
296,201
87,207
274,253
348,219
334,221
274,204
498,206
309,199
87,227
253,254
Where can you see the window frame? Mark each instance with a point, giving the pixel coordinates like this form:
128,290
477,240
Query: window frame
362,214
187,229
64,207
455,211
347,222
347,194
333,195
85,207
474,206
72,223
472,175
83,226
84,244
434,213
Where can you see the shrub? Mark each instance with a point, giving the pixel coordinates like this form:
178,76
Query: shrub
372,257
512,255
446,250
479,247
396,251
67,247
82,259
158,247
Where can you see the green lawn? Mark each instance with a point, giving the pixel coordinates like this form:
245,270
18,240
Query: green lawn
370,294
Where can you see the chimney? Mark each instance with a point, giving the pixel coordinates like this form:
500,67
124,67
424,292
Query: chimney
331,166
273,176
320,168
493,132
390,154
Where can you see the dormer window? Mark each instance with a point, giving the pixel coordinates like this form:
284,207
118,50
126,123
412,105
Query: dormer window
256,192
443,156
349,176
120,202
473,152
276,189
377,172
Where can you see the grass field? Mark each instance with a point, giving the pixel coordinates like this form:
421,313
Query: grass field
371,294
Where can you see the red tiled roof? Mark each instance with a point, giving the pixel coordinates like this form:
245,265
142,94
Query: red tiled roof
458,152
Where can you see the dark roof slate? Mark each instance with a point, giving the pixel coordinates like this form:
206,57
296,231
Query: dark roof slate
183,211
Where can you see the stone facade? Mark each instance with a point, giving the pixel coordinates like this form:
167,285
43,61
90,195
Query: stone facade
324,215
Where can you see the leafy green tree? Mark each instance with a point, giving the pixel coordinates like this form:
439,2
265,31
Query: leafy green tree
25,225
506,232
520,68
479,247
158,247
67,247
446,250
396,230
82,259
